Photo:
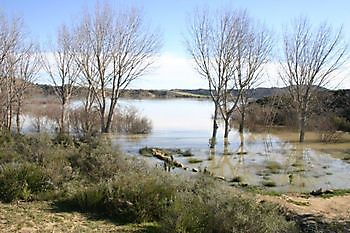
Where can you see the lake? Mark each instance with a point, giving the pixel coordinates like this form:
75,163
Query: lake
270,159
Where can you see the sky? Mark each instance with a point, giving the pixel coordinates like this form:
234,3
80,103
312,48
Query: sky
174,68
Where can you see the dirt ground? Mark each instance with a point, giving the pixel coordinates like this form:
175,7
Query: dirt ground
332,208
41,217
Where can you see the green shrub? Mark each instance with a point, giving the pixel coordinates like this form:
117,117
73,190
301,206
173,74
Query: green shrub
130,197
341,123
22,181
91,199
63,139
209,209
268,183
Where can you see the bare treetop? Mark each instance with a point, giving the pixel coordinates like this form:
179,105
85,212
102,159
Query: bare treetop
113,49
311,55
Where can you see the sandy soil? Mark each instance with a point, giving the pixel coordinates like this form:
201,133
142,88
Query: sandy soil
332,208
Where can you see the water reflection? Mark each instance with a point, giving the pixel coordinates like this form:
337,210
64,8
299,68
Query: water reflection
272,159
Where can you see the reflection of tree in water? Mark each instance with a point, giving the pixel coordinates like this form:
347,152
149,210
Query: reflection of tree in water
134,138
241,149
226,160
298,164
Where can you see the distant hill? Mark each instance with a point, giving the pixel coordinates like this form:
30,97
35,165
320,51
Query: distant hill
256,93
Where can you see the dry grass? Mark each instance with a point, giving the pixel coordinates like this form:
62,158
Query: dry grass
41,217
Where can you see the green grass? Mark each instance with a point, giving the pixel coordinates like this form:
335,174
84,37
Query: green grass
273,167
145,151
194,160
334,193
297,164
269,183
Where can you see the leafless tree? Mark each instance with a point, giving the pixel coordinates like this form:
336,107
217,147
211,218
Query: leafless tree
18,67
84,58
229,52
252,47
210,45
122,49
311,55
11,35
255,53
61,66
27,68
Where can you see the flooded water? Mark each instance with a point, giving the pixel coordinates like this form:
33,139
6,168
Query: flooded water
274,160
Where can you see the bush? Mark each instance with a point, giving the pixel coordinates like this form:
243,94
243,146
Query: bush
135,196
341,123
22,181
209,208
125,120
90,176
130,121
198,204
84,123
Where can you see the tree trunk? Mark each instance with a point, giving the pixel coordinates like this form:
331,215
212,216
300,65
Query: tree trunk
215,128
18,113
241,145
63,116
302,124
227,129
110,115
9,115
104,128
241,123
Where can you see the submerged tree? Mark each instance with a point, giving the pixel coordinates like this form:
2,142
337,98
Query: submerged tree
229,51
252,48
310,58
250,64
210,45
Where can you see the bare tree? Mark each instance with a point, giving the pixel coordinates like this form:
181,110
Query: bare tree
252,47
229,52
84,58
250,64
210,45
310,58
18,66
63,71
122,50
27,68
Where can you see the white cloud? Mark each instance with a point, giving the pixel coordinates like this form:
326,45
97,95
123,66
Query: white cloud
171,72
174,71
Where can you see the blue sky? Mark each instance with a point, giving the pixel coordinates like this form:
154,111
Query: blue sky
174,70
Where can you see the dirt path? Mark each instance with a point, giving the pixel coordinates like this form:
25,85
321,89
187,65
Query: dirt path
332,208
315,214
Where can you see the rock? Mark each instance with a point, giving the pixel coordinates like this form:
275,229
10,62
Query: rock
195,170
316,192
320,192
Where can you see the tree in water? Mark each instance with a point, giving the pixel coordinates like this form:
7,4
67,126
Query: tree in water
311,57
